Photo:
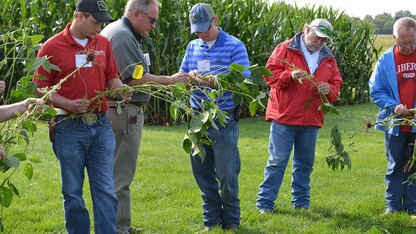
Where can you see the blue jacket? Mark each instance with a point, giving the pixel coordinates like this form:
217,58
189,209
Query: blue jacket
384,90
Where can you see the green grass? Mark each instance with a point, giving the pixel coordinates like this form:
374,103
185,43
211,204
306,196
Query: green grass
166,198
384,40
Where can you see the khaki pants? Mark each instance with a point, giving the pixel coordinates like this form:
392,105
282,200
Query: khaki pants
127,127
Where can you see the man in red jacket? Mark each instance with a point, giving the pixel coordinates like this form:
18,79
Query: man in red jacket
304,71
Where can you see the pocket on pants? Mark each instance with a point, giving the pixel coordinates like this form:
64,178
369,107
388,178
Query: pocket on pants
119,122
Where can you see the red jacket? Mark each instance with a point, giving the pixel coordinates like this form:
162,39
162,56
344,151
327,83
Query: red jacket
295,103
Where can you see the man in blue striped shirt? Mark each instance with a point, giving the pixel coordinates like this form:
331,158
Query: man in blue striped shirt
217,175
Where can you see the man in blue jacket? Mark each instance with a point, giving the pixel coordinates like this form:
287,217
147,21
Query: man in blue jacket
393,89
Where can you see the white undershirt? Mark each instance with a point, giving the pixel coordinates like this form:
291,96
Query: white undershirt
82,42
311,59
211,43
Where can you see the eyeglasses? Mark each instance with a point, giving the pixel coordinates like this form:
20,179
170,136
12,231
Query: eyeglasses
325,30
151,19
407,43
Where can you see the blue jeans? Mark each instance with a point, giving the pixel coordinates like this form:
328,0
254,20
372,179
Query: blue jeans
399,196
217,176
78,146
282,139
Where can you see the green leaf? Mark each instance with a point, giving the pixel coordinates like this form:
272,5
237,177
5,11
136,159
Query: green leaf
35,63
6,196
30,126
253,107
35,159
36,39
48,112
237,99
13,188
174,113
256,77
28,171
237,68
196,124
265,71
20,156
180,86
187,144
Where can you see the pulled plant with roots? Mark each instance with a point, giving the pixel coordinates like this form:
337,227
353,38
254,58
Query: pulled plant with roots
339,156
246,91
396,121
19,130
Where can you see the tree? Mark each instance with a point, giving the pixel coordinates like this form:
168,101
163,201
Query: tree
384,23
405,13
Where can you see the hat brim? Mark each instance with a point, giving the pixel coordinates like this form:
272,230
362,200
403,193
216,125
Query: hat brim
200,27
319,33
102,17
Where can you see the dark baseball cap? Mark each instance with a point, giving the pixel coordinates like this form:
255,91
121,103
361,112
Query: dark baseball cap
97,8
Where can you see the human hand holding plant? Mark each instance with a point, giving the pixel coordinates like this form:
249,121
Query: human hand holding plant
299,75
2,86
402,110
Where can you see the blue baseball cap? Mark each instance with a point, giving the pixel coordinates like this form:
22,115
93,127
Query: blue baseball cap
200,17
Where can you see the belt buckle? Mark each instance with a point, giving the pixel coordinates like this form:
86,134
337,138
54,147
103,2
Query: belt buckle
89,118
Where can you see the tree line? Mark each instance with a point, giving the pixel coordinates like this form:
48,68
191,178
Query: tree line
383,23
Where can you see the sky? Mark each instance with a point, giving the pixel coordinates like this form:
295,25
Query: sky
361,8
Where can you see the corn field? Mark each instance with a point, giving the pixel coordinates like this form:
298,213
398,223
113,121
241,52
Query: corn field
259,24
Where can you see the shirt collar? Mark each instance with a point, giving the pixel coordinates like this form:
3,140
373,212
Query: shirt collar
130,26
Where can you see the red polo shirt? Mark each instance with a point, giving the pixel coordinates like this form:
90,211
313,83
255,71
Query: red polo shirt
64,52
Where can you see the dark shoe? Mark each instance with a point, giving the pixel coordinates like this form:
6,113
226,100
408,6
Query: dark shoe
301,208
232,228
135,230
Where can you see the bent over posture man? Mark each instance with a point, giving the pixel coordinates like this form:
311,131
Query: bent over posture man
217,175
125,35
293,110
393,89
83,136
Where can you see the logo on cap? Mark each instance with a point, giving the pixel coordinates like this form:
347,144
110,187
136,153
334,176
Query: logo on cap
101,5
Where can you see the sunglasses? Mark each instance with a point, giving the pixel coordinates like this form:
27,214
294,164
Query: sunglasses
210,23
151,19
325,30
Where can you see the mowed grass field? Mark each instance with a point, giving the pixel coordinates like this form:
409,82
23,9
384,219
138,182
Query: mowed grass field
383,40
166,199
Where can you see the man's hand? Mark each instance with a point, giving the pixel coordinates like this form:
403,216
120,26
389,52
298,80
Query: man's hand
402,110
181,77
324,88
2,86
299,75
79,106
208,81
127,94
27,103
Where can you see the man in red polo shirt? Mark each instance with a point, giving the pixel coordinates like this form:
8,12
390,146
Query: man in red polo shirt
83,136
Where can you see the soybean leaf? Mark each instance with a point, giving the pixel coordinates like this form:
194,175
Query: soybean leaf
28,171
6,196
20,156
35,159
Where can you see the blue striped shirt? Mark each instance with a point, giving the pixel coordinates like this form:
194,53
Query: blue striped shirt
226,50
